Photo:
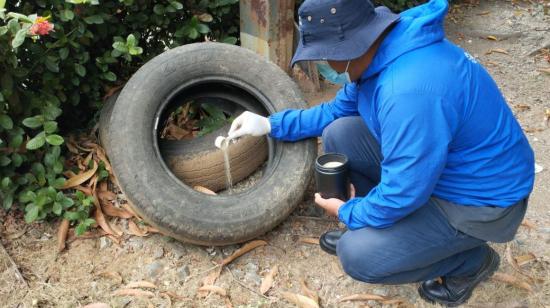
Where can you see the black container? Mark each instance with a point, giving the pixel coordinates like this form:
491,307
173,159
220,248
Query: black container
332,182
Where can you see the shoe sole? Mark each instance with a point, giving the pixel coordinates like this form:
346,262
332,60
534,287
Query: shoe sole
489,271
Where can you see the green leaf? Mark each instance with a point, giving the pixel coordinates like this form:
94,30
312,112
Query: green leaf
2,3
3,29
6,122
52,65
193,33
16,141
230,40
14,26
50,127
134,51
131,41
110,76
34,122
67,202
58,183
16,160
63,53
54,139
80,70
36,142
67,15
20,17
80,229
57,208
19,38
70,215
158,9
120,46
51,112
4,161
26,197
177,5
94,19
202,28
31,213
8,201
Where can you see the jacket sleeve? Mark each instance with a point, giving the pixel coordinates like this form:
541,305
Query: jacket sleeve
416,131
293,124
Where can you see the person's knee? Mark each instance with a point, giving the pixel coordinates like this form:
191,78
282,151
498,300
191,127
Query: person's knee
359,259
336,134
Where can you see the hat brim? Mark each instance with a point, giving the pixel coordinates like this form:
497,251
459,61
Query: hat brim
353,46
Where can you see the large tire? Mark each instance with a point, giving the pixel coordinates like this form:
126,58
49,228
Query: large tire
197,162
164,201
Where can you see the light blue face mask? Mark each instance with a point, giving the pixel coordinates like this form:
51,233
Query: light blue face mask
333,76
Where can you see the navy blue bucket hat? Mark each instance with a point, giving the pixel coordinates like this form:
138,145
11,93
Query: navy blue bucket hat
339,30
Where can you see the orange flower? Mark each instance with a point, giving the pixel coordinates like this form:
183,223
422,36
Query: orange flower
41,26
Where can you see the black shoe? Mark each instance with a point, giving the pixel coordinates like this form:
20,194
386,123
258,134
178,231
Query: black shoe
329,239
454,291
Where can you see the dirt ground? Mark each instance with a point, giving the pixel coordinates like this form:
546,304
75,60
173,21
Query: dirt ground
513,30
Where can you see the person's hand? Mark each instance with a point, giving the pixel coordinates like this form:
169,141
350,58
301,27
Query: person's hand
332,205
249,123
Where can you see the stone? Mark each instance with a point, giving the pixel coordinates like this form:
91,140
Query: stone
154,269
183,272
158,252
104,242
251,273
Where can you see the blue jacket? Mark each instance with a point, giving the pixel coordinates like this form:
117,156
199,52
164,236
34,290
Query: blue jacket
443,126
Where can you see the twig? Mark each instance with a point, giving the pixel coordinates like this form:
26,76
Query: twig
14,265
315,218
245,286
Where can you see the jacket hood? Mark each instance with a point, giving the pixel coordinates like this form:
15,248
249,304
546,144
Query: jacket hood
416,28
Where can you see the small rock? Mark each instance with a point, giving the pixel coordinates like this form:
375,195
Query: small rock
158,252
251,273
136,243
380,291
228,250
178,252
538,168
211,251
183,272
154,269
104,242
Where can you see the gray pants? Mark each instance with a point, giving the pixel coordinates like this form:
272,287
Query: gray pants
422,246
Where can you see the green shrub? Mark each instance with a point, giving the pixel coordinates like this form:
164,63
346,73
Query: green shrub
67,70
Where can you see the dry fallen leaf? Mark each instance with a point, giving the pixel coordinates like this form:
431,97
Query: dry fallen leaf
210,288
545,70
492,38
524,259
308,292
80,178
309,240
175,296
141,284
62,234
267,281
209,280
528,224
299,300
113,275
97,305
509,279
368,297
110,210
133,292
484,13
244,249
522,107
497,50
204,190
510,258
133,229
